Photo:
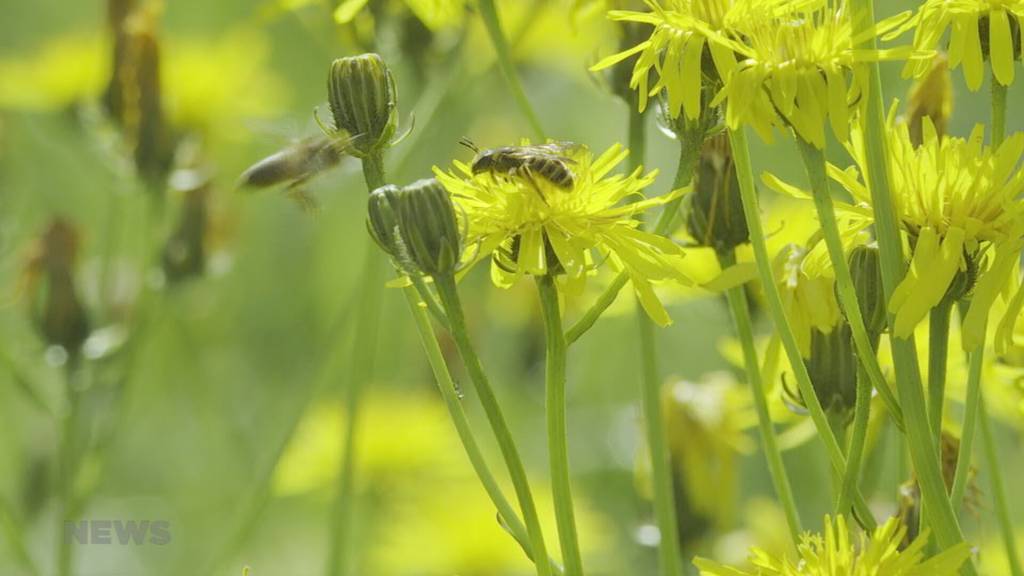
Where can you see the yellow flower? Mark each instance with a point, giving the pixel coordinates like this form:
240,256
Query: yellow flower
529,225
807,286
959,203
434,14
797,62
682,29
979,29
834,554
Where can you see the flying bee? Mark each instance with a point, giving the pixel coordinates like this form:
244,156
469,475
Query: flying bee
294,166
549,161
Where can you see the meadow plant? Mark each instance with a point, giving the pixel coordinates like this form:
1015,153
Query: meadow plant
915,231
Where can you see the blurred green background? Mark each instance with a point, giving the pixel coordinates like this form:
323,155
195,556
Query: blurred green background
221,413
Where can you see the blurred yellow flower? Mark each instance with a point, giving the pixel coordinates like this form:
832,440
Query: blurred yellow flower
527,224
979,30
207,85
434,14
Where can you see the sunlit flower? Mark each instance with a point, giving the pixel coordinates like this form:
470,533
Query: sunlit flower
797,64
807,287
959,202
529,225
675,50
434,14
834,554
979,29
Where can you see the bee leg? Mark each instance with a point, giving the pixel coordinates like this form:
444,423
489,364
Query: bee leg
297,192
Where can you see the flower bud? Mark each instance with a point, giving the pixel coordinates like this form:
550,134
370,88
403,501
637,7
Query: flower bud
428,227
931,97
714,214
363,100
50,274
832,367
866,271
382,223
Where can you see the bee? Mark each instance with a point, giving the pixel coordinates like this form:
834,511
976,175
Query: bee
549,161
294,166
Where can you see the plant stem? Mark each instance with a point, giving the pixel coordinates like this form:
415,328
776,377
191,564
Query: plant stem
814,162
737,299
938,350
558,445
428,300
489,14
446,386
448,293
999,492
998,113
972,405
751,210
67,469
665,511
858,436
364,348
689,152
908,377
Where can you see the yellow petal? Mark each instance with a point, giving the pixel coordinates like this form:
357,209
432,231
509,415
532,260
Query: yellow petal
1001,47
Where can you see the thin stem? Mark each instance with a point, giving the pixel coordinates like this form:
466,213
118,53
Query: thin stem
446,386
814,162
428,300
908,376
737,299
751,210
689,152
489,14
999,492
858,435
363,351
452,304
998,112
938,350
665,511
972,405
364,348
67,466
558,445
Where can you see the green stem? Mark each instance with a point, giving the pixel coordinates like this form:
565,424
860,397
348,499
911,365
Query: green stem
449,295
737,299
446,386
858,437
938,350
814,162
489,14
972,405
689,152
999,492
428,300
364,347
998,112
751,210
67,469
558,445
923,451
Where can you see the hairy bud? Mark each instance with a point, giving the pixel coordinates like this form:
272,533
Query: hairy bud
363,101
714,211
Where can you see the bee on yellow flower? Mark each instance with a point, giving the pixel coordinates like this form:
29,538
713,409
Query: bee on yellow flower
979,30
529,225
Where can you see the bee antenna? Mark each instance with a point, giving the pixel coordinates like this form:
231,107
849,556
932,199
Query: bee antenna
465,141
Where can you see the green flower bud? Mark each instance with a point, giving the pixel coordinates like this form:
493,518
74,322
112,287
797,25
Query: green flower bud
364,102
714,214
428,227
866,271
832,367
382,223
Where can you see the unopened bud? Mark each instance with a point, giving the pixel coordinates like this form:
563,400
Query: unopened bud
931,97
866,271
363,100
714,215
833,370
428,227
382,223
